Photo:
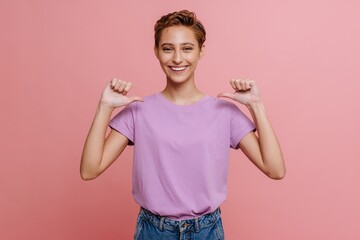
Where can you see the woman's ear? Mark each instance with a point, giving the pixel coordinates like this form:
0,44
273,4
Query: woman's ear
156,51
202,51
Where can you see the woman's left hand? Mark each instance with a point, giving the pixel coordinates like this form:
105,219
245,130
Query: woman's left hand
246,92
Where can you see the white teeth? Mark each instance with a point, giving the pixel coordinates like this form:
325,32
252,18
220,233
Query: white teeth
177,68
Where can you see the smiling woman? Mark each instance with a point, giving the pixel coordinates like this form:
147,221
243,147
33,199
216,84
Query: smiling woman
179,45
181,137
178,55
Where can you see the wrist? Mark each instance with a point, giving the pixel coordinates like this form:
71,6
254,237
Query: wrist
256,106
105,108
257,111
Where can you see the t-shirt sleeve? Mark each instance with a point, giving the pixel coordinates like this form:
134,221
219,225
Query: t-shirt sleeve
124,122
240,126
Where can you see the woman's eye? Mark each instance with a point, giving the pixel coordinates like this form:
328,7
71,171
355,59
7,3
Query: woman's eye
188,49
166,49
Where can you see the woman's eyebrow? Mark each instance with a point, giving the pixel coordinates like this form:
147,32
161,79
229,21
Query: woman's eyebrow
166,44
186,43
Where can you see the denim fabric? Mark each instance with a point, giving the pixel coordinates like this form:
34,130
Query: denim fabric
153,227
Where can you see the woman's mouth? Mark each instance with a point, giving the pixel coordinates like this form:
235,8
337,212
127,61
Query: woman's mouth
178,68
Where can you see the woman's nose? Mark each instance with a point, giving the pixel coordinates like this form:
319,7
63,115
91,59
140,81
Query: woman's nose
177,58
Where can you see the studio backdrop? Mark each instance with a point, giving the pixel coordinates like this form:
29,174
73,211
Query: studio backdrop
56,57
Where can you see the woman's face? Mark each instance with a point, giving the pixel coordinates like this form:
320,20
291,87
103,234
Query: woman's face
178,53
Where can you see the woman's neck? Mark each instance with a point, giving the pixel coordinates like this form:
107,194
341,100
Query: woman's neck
182,94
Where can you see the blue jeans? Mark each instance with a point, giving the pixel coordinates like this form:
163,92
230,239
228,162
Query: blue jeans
153,227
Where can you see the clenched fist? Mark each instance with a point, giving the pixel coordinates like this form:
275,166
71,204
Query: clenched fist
246,92
115,94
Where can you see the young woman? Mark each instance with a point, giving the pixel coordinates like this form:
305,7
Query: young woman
181,137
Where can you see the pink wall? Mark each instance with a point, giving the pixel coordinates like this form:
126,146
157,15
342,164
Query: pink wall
56,56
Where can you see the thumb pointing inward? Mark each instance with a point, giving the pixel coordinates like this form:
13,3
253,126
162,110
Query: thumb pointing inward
226,95
135,99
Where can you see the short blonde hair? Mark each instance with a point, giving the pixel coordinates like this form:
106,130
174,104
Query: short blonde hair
181,18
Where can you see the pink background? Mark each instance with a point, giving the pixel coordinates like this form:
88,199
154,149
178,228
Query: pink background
56,56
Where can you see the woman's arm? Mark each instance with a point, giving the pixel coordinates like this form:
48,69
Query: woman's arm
100,152
263,150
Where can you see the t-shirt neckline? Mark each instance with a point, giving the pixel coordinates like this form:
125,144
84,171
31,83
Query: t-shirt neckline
168,102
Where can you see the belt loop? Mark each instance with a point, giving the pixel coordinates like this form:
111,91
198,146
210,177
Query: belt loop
161,224
197,226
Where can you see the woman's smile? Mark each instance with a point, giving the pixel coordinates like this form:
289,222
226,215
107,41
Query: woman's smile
178,69
178,54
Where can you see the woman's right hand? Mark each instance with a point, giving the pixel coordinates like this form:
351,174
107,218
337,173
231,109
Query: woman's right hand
114,94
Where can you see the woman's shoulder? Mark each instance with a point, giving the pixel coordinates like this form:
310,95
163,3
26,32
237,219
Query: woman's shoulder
221,102
147,101
151,98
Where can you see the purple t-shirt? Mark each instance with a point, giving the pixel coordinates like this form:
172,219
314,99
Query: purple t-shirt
181,152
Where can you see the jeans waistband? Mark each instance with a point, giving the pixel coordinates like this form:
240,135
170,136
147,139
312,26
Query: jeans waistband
195,224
